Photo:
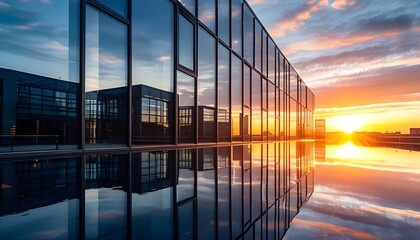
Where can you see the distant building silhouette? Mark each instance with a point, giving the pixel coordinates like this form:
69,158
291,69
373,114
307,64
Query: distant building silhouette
414,131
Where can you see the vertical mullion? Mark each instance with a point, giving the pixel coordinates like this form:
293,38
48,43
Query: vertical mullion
82,74
129,73
82,45
175,103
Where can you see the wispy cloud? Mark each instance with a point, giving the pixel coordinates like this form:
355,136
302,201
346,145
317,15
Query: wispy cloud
3,4
369,108
334,229
298,19
342,4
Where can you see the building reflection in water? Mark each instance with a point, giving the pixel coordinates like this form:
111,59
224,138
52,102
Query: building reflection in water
250,191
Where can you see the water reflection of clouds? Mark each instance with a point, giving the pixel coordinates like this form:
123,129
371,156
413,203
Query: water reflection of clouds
371,196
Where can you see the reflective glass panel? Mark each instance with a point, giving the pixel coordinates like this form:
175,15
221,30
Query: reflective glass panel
152,195
258,45
39,75
247,86
106,79
271,60
39,198
48,38
293,84
264,53
186,43
248,35
271,111
120,6
236,13
223,19
186,108
106,196
236,91
256,106
153,44
207,13
206,87
223,116
153,70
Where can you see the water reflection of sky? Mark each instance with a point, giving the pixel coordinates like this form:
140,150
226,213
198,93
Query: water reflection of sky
362,193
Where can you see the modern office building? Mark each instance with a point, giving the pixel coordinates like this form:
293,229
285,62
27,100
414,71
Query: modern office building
148,119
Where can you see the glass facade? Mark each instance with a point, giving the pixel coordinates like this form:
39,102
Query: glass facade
149,119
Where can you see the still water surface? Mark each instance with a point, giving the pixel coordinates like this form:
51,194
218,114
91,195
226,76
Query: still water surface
362,193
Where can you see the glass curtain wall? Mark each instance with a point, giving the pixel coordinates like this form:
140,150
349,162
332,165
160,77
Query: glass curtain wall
106,80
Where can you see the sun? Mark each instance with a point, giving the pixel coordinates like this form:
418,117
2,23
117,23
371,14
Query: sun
348,123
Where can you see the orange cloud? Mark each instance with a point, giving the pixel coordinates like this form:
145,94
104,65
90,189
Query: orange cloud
298,20
332,228
341,4
328,42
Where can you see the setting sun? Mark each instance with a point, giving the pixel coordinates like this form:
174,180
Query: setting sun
347,124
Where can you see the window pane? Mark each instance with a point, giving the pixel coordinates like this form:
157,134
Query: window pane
247,86
223,18
271,111
47,45
39,196
153,66
153,44
186,108
186,43
206,86
189,5
271,60
106,196
39,75
258,45
106,79
264,53
223,94
237,26
119,6
207,13
256,106
236,93
248,35
293,84
152,195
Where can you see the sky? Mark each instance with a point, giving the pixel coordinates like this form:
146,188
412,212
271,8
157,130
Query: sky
361,58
